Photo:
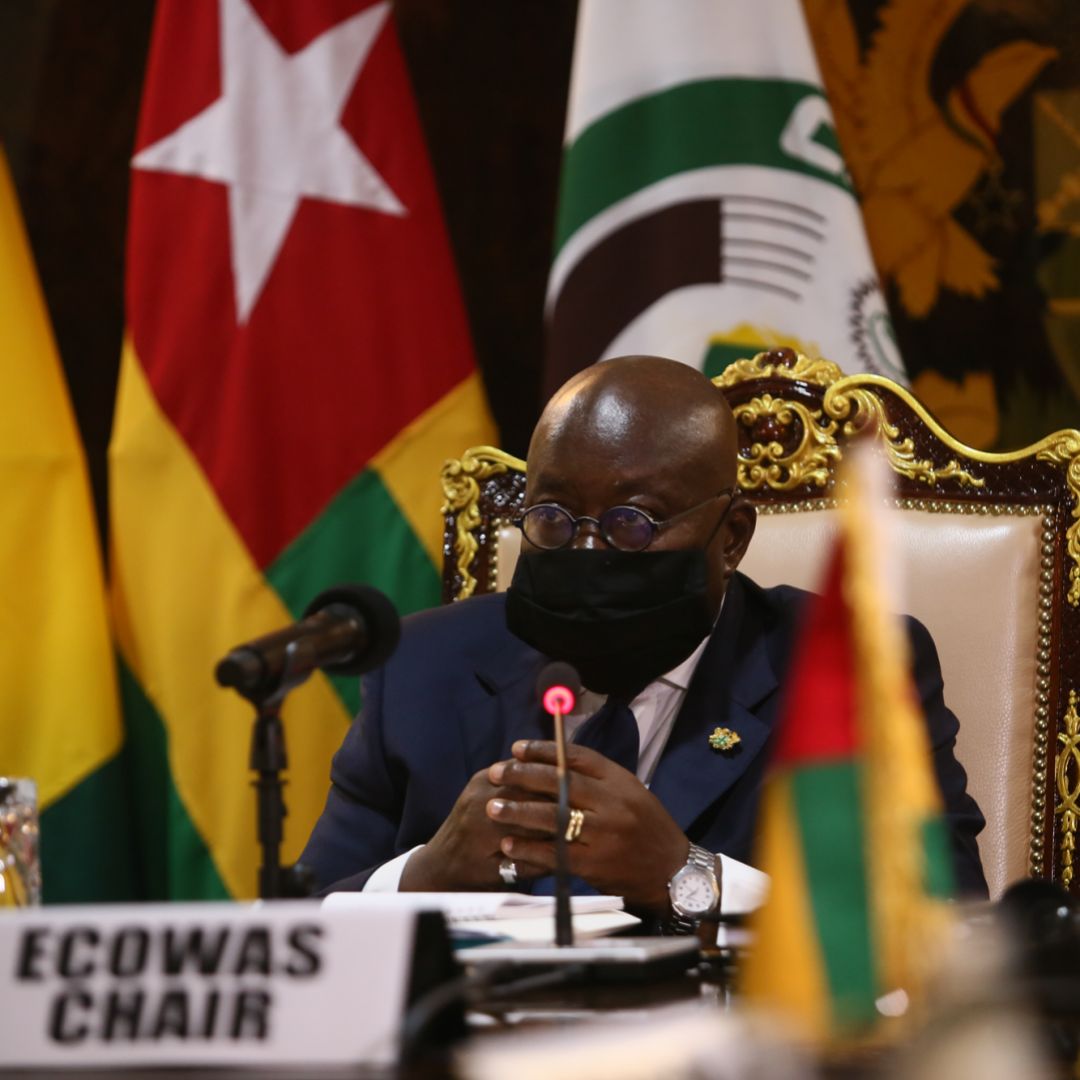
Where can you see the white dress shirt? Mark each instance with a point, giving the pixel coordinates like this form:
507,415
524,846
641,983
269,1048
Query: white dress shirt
655,708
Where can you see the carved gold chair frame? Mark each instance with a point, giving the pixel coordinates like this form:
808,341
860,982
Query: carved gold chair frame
795,417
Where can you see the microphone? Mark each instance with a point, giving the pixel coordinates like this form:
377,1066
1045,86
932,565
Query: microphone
557,688
1042,921
346,630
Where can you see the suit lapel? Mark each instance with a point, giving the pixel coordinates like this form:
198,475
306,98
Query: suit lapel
734,676
502,707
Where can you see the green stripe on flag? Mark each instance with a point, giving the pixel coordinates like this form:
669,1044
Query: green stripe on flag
361,536
176,863
828,809
692,126
722,353
87,847
939,879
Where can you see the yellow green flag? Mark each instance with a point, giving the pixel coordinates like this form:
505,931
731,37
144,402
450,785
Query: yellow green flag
59,718
852,829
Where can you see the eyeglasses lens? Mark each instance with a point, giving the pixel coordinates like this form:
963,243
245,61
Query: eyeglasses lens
548,526
626,528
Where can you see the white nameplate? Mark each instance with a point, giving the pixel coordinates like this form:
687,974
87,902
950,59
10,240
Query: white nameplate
237,984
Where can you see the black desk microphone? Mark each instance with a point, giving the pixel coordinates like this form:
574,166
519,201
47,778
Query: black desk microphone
557,688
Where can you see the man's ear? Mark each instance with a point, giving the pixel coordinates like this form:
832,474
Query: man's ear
738,532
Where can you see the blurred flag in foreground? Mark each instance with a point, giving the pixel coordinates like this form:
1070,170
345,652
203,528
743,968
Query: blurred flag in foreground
706,212
852,827
60,719
297,368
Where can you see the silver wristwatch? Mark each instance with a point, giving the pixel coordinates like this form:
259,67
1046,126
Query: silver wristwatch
694,891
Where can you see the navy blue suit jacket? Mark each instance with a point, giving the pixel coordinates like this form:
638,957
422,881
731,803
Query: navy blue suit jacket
461,689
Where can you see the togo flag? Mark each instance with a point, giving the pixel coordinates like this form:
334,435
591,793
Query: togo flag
705,211
297,368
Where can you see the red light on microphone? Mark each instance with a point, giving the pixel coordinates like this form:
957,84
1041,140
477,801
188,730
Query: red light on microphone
559,699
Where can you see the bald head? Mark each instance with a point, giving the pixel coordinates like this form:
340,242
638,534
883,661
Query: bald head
647,432
638,412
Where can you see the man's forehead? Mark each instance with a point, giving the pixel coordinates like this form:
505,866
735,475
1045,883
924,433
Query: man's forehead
612,421
629,439
640,466
618,474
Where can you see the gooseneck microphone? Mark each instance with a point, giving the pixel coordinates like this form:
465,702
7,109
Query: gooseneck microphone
346,630
557,688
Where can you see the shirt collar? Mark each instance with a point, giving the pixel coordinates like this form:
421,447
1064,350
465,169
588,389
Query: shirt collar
678,678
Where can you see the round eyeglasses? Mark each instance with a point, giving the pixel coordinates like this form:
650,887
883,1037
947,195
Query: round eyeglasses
550,526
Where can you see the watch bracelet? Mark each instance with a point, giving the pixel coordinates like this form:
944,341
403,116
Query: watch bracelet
702,857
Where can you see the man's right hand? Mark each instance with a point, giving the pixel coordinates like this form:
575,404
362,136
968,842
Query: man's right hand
464,854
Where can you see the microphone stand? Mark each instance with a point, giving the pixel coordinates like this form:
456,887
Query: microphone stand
564,927
267,760
345,630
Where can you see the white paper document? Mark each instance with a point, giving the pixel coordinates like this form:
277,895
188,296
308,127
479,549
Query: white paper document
470,906
587,925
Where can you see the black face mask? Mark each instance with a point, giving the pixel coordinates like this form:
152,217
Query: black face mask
621,618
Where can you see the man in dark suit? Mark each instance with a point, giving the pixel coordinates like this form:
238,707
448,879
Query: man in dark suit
633,532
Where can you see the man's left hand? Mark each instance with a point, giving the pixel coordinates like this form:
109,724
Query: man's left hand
629,845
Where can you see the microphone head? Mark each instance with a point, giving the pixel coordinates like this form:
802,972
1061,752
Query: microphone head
1042,916
558,687
243,669
376,614
1042,922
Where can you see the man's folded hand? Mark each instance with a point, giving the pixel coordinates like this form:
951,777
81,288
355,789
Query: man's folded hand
465,853
628,844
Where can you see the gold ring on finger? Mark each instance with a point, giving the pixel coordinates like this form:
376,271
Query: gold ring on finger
573,826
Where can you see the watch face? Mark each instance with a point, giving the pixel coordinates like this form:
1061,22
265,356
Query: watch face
693,891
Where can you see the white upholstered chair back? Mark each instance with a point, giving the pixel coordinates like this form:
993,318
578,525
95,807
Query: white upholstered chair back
990,546
973,581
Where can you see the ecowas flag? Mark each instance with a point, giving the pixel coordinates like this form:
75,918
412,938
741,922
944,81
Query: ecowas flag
298,367
705,211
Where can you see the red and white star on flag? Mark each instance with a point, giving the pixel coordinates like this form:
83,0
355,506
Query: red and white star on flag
274,136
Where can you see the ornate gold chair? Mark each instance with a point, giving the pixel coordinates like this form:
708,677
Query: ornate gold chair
991,547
